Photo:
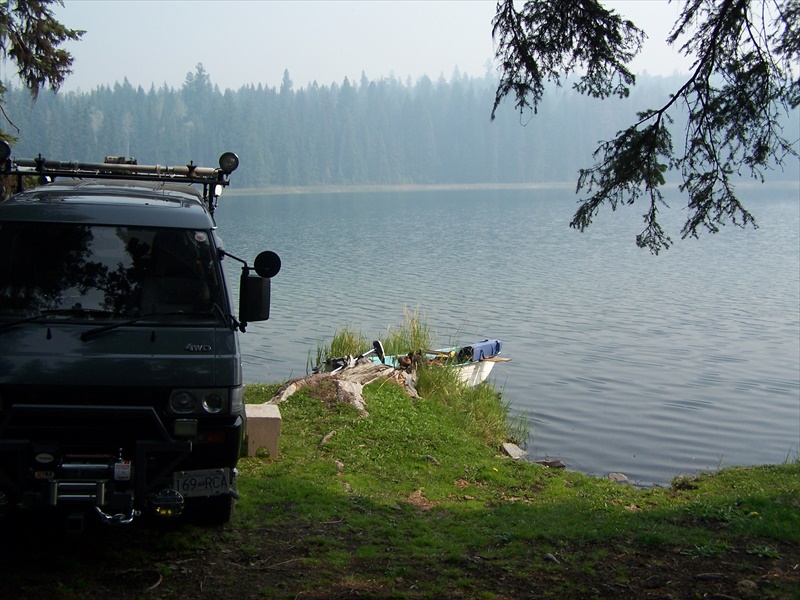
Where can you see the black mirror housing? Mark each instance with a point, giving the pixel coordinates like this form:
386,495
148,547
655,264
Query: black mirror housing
254,298
267,264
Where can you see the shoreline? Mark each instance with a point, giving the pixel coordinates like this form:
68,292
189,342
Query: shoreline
289,190
410,187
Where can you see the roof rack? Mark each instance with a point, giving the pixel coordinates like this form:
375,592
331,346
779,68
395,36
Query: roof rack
213,179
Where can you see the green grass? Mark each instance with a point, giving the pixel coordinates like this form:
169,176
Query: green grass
422,481
414,500
417,496
412,333
482,410
343,343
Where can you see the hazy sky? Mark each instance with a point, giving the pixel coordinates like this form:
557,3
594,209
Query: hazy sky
243,42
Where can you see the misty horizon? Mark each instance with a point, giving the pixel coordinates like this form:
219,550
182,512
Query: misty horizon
245,43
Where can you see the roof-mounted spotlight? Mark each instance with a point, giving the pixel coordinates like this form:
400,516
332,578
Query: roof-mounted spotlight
228,162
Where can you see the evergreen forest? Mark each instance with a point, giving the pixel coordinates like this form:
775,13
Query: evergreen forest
370,132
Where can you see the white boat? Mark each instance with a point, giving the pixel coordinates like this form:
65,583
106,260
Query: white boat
473,362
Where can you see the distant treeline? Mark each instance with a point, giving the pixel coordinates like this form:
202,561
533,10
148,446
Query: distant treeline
382,132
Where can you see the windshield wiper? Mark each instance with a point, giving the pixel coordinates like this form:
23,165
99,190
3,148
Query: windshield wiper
97,331
20,321
58,312
78,311
90,334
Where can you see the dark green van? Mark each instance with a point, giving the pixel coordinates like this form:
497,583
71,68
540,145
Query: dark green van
121,385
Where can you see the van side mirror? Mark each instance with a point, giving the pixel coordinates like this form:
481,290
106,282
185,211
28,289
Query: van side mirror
254,297
255,288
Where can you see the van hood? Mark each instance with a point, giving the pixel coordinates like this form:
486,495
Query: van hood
54,354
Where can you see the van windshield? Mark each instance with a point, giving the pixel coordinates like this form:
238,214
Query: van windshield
96,270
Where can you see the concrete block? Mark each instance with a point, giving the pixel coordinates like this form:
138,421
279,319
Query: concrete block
263,428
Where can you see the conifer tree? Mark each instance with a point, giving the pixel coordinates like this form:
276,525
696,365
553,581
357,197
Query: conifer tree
31,37
743,80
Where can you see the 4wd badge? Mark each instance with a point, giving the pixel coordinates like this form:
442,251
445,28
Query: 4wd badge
198,347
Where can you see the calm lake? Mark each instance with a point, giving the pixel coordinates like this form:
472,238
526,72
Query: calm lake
653,366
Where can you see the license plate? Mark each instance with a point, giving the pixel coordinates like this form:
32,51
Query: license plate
210,482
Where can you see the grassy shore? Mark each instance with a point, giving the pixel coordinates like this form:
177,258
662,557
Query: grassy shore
414,500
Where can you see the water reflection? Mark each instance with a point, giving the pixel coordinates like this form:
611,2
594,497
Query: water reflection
120,271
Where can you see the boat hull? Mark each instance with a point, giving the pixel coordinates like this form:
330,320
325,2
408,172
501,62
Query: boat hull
475,373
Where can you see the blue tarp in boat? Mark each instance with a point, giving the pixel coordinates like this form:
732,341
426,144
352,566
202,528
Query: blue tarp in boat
481,350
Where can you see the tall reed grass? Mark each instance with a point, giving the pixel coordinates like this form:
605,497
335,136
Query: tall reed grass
413,333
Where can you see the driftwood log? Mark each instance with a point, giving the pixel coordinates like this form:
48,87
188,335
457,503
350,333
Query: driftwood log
349,383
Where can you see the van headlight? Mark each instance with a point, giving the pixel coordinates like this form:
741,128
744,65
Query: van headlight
182,403
213,403
201,402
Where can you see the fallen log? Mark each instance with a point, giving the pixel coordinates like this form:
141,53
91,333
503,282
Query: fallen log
349,383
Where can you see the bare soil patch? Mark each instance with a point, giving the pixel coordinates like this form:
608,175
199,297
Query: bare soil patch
142,561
